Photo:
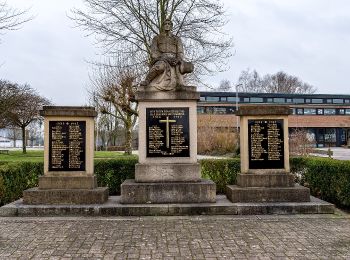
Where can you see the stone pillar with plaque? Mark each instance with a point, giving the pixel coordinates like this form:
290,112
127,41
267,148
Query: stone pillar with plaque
68,159
265,172
168,171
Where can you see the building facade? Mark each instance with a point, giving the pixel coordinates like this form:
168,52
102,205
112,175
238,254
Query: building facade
325,117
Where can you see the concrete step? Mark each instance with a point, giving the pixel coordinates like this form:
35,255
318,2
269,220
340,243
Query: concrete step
296,193
223,206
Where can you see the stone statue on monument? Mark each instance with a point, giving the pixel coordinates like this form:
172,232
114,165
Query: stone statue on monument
168,65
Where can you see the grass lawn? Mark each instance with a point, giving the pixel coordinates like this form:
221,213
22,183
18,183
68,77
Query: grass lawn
38,156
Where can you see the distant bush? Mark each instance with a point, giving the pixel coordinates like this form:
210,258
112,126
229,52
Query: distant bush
215,140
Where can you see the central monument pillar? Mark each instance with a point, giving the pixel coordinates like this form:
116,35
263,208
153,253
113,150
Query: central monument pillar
168,171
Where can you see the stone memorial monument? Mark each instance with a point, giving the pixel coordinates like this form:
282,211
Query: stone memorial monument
168,171
68,159
265,173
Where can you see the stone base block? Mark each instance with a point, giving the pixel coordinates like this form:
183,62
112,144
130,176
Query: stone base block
37,196
167,172
264,194
171,192
265,180
67,182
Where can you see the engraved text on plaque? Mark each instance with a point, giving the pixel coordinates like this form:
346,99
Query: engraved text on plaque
67,145
266,147
167,132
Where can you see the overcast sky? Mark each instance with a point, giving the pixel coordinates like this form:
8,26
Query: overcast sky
305,38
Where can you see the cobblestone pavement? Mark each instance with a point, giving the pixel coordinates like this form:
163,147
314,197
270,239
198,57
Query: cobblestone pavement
198,237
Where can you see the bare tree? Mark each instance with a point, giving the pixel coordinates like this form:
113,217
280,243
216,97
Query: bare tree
126,27
14,134
250,81
279,82
26,110
12,18
225,86
10,95
114,91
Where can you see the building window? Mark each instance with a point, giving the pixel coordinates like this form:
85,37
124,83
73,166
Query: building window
200,110
246,99
289,100
256,100
329,111
330,135
219,110
329,100
300,111
269,100
224,99
293,111
298,100
347,111
212,98
279,100
347,101
341,111
319,111
309,111
232,99
307,100
338,101
317,100
202,98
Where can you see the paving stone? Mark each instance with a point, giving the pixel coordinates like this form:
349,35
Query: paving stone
186,237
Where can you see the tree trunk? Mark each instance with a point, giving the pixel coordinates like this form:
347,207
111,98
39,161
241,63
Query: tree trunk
24,139
14,138
128,135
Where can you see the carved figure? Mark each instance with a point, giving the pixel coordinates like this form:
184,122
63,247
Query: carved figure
168,66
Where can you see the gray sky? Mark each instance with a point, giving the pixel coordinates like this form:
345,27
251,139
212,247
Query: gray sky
306,38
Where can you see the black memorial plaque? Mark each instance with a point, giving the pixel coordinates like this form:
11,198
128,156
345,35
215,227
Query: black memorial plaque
67,145
266,146
168,132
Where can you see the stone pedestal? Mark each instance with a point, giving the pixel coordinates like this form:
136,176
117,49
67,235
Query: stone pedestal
68,159
168,171
265,172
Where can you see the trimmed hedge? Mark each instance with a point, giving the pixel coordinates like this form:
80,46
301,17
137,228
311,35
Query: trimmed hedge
17,177
221,171
328,179
113,173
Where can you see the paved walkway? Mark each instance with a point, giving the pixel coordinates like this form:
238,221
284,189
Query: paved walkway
200,237
339,153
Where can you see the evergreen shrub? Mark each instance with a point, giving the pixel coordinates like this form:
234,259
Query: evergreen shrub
17,177
112,173
221,171
327,178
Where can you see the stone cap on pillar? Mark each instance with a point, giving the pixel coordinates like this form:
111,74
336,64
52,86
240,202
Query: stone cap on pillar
263,110
184,93
68,111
